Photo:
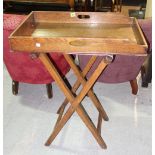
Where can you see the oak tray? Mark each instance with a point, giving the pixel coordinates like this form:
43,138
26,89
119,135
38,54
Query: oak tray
79,32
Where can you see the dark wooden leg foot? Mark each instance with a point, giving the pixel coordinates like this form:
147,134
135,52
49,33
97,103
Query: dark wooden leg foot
143,75
134,86
49,90
15,86
146,71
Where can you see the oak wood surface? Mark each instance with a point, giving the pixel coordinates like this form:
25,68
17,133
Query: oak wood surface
96,46
73,17
85,30
65,32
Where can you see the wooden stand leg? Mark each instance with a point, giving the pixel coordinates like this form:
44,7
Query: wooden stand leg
90,93
78,82
146,71
15,86
60,114
49,90
134,86
65,102
99,124
75,102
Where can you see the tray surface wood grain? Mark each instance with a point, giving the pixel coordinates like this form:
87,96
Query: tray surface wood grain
79,32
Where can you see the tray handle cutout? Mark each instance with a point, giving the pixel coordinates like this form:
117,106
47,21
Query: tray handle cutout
83,16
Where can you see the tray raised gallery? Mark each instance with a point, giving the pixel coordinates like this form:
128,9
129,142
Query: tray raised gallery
79,33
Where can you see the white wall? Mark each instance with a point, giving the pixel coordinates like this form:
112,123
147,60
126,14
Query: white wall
148,12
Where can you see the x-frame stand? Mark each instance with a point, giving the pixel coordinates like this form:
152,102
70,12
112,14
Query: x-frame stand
75,100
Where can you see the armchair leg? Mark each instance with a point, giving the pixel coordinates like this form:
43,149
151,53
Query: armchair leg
146,71
134,86
15,86
49,90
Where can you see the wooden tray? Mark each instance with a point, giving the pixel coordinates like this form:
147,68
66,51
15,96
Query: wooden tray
79,32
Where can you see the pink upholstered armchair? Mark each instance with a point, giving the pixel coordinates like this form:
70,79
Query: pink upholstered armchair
123,68
21,67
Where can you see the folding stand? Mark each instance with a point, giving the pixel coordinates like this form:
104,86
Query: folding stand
74,99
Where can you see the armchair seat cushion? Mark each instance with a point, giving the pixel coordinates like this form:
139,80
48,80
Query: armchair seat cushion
10,22
123,68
